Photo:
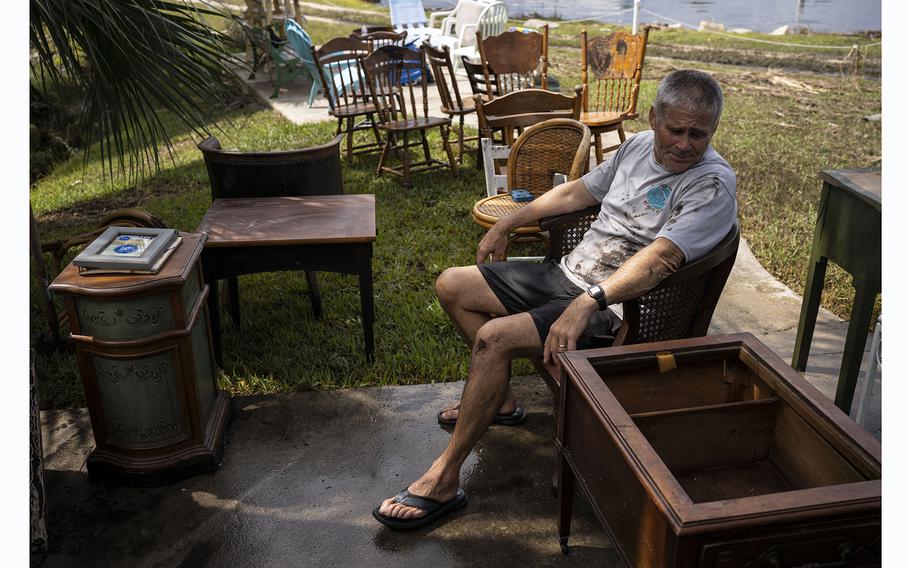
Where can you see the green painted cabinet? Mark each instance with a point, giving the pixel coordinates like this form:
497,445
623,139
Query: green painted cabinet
144,349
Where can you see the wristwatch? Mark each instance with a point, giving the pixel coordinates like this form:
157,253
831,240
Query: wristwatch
598,294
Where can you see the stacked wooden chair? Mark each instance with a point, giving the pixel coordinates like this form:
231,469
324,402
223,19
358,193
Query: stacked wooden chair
611,75
403,108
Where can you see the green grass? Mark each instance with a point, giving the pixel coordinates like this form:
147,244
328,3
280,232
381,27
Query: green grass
777,136
279,346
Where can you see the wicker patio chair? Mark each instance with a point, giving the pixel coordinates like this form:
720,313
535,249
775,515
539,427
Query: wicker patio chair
510,113
679,307
309,171
406,111
343,82
611,75
556,146
519,58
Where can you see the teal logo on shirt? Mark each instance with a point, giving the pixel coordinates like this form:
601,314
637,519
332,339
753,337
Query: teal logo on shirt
657,197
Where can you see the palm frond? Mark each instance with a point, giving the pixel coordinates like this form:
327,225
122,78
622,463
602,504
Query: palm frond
132,59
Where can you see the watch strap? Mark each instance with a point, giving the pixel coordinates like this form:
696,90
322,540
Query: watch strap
599,296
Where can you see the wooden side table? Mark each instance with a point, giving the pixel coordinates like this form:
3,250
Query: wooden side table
849,233
144,349
332,233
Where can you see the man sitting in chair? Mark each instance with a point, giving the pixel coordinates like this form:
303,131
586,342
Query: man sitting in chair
667,197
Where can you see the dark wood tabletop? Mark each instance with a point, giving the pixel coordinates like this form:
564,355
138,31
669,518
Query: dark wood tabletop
270,221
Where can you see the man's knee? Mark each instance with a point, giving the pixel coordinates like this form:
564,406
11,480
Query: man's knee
495,337
450,284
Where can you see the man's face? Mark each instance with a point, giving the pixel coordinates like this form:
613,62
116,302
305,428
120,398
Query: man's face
681,137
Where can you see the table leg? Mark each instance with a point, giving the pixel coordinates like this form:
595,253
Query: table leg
366,304
214,310
860,318
312,282
809,312
234,299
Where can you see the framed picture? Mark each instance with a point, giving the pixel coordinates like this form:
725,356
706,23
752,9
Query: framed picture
127,248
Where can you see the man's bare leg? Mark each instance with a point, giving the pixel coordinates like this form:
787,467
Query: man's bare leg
497,342
466,297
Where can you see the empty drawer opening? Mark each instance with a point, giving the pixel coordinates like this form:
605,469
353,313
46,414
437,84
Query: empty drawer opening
643,389
743,449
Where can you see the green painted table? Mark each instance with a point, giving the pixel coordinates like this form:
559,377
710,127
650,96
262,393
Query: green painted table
848,232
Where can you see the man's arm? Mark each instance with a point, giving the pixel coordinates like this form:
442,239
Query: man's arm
564,198
643,271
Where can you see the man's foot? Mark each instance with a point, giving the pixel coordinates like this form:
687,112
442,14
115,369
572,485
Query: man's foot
421,503
506,416
427,510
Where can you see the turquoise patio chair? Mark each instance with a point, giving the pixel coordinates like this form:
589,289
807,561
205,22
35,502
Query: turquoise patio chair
302,44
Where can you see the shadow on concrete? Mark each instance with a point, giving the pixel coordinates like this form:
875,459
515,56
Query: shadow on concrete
300,476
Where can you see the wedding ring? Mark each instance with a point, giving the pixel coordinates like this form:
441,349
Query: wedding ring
563,345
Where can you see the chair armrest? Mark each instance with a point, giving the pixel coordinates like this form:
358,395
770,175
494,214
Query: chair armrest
434,15
557,222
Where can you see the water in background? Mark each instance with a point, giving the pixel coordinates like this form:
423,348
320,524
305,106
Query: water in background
842,16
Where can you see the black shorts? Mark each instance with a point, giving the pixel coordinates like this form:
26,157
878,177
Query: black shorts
542,290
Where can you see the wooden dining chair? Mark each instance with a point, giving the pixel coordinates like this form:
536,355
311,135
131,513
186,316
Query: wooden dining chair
454,104
404,110
379,38
343,81
611,75
306,171
519,59
556,147
476,80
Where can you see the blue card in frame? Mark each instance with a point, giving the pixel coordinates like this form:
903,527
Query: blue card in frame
127,248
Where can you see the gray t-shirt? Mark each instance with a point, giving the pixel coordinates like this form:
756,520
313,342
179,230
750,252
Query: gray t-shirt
641,200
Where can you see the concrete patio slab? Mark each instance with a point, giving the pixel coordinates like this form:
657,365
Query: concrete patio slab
300,475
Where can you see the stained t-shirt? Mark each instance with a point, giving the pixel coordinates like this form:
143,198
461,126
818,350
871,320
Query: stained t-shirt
642,200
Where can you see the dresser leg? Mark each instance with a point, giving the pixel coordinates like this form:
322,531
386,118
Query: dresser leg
565,491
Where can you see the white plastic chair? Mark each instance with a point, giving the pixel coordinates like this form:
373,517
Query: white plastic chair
873,362
460,26
411,16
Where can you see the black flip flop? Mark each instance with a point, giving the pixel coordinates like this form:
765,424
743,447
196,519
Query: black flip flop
513,418
434,509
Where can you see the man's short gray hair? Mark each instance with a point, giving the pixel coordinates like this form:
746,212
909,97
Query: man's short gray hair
696,91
